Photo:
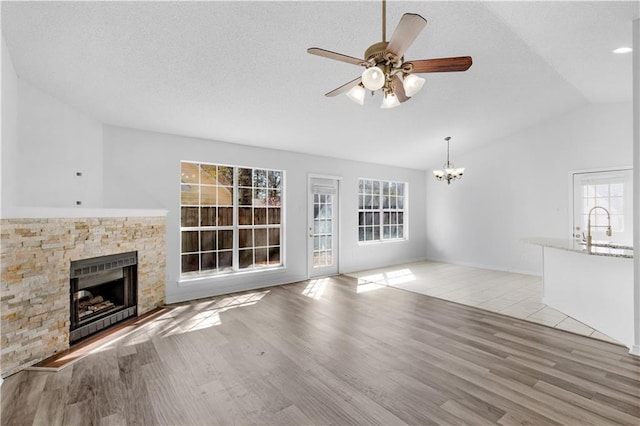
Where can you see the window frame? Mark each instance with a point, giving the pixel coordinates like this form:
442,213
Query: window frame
235,227
374,216
604,176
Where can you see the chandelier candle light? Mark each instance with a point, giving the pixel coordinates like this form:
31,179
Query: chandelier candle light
448,172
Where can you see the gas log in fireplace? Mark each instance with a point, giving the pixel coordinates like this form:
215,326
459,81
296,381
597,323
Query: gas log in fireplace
103,293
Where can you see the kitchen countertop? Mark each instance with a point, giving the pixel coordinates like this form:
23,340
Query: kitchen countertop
600,248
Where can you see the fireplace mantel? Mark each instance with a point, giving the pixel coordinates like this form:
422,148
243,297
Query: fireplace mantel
79,212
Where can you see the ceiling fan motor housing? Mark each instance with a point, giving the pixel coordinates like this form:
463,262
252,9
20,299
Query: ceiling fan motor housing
377,52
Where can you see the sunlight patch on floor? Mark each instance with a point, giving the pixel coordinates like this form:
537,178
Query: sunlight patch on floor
364,286
392,277
315,288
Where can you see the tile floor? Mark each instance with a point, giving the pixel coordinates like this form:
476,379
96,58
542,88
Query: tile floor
512,294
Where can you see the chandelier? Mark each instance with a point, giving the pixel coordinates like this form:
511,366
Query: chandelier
448,172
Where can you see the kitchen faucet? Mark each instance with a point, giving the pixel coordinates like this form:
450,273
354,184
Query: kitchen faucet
608,226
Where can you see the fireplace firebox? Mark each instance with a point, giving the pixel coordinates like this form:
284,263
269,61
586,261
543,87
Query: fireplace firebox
103,293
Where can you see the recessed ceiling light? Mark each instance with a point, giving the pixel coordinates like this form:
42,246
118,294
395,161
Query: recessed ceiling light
622,50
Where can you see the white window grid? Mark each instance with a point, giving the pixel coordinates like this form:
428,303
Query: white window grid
215,238
381,210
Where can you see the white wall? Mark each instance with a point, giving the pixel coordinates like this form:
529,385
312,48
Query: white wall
9,144
518,187
55,142
142,170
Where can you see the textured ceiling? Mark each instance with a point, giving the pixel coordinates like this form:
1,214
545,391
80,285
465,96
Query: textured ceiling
239,71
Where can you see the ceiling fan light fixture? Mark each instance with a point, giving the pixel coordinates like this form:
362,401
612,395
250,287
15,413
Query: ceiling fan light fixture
373,78
356,94
390,101
412,84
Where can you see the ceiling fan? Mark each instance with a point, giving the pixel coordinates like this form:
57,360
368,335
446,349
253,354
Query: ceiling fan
386,69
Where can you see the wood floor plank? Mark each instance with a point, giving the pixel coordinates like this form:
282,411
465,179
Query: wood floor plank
324,352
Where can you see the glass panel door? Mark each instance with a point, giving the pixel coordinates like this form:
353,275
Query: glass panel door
323,227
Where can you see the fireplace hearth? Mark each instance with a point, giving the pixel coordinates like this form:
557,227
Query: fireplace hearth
103,293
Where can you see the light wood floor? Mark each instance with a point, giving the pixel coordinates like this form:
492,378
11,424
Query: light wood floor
329,352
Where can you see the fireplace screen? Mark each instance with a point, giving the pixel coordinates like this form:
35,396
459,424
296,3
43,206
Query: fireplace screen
103,293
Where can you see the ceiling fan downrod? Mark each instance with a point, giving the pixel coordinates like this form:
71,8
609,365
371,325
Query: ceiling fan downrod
384,21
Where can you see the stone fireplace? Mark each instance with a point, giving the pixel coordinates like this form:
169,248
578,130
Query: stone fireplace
37,255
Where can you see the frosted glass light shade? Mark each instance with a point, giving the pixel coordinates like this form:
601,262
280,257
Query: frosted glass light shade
390,101
439,174
373,78
412,84
356,94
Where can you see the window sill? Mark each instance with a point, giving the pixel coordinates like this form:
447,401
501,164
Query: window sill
188,281
370,243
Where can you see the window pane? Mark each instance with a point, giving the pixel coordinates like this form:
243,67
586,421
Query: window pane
261,257
400,188
245,237
602,190
617,190
208,216
190,241
616,205
189,194
275,179
225,175
361,218
245,196
225,259
260,236
189,173
260,178
274,255
190,263
245,177
207,240
274,216
208,174
376,233
208,261
246,258
225,216
260,216
274,198
225,240
260,197
274,236
245,216
361,234
189,216
225,195
400,231
208,195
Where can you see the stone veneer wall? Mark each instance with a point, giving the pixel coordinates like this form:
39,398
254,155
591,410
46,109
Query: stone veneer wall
35,260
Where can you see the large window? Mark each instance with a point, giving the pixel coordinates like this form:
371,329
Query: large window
230,218
611,190
381,210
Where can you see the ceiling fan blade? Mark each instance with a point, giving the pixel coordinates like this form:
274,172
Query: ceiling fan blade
405,33
398,89
344,88
460,63
336,56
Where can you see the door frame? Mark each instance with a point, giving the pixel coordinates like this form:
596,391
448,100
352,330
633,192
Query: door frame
338,222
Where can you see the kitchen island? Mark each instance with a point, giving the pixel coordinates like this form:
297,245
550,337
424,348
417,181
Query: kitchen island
593,286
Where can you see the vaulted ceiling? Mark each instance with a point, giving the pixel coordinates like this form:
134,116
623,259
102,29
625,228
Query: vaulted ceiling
239,71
